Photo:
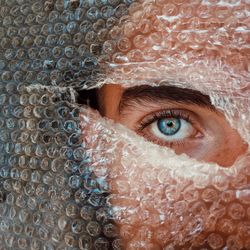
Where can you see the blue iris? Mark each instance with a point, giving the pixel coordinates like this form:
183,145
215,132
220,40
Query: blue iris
169,126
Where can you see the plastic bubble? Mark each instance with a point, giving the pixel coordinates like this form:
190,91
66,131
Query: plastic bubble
85,242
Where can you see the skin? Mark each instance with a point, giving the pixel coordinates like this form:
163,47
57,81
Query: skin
219,143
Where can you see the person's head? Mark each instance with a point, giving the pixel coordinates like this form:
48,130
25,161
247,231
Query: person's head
180,81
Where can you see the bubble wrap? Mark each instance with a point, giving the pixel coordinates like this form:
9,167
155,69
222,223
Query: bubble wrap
71,179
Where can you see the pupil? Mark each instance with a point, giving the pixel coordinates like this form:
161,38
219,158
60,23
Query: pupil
170,124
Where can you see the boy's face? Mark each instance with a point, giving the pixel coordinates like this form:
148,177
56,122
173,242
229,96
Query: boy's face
182,179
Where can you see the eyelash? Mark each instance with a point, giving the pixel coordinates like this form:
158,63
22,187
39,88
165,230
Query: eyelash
171,113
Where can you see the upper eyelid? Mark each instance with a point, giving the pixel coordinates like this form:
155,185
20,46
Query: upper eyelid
145,94
140,103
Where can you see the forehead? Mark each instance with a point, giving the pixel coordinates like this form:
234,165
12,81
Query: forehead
201,44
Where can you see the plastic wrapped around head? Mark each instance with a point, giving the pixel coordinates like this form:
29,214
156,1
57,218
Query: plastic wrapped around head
73,179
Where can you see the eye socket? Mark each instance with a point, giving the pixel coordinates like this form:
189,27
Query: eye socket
170,127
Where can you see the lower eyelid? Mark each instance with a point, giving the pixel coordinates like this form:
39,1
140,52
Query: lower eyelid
172,144
161,143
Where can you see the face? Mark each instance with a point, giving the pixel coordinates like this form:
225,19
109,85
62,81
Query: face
179,177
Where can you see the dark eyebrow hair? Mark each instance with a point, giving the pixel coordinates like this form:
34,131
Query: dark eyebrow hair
139,94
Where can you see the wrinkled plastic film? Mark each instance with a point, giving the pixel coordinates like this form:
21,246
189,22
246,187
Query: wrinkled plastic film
71,179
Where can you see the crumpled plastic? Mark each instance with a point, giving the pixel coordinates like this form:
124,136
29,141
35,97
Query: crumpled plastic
71,179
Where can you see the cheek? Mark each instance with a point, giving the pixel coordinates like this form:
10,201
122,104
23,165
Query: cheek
231,147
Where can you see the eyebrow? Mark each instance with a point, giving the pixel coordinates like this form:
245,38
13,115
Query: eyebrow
145,93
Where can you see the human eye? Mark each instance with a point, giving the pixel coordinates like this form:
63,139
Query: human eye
173,127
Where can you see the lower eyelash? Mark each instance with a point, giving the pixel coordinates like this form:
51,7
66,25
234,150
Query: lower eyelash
169,144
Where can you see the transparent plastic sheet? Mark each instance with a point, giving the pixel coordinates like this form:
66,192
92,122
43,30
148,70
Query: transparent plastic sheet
71,179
